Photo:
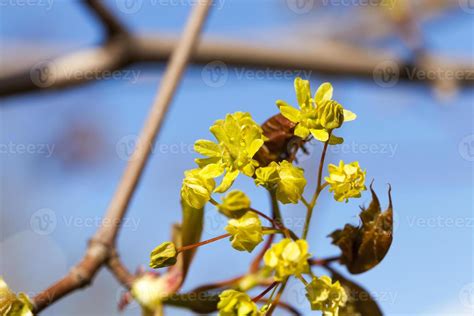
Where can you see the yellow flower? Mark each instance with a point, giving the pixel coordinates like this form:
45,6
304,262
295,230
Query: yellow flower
287,258
326,296
246,232
234,204
163,256
238,140
317,116
287,180
235,303
149,291
196,189
346,181
12,304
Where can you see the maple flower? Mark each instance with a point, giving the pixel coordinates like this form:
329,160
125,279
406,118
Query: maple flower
287,180
235,204
196,189
246,232
346,180
317,116
12,304
326,296
287,258
239,138
235,303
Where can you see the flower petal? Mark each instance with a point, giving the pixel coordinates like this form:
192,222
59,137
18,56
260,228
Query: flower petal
290,113
301,131
228,180
207,148
320,134
212,170
324,93
303,92
349,116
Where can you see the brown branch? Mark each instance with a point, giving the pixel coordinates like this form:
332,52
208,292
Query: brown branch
332,59
100,250
111,24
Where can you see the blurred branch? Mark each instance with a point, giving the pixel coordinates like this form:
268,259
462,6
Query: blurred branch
122,48
101,248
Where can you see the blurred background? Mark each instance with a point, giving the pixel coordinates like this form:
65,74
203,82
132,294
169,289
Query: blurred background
63,152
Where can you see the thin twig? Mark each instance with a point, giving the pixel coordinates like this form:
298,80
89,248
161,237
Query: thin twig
99,251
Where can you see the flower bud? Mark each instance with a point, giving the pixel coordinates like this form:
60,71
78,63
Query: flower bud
196,189
234,204
330,114
163,256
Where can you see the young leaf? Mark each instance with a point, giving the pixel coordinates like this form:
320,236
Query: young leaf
365,246
359,301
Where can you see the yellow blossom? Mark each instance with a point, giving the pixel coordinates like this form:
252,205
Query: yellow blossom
12,304
317,116
196,189
246,232
235,303
238,140
234,204
287,180
346,180
326,296
163,256
287,258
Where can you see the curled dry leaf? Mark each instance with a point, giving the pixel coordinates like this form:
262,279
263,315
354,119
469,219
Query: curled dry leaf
365,246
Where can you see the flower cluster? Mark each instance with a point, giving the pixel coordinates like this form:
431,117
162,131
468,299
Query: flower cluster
288,258
12,304
346,180
237,139
326,296
317,116
287,180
